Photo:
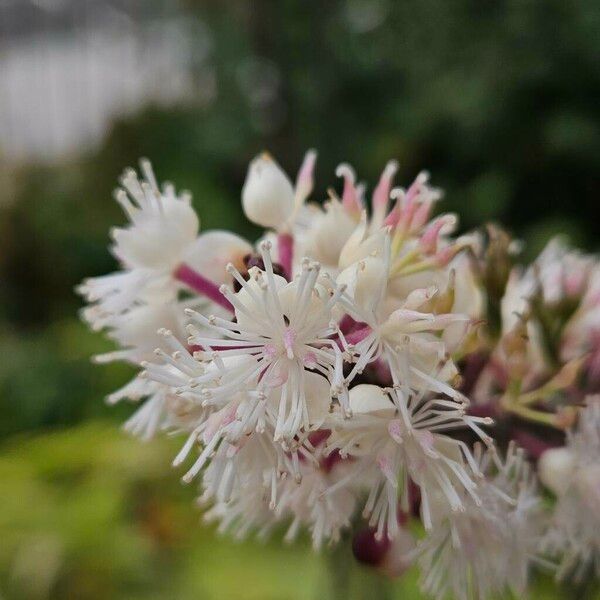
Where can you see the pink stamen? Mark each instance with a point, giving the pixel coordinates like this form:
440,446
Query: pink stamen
305,179
421,215
445,255
350,196
285,246
381,194
201,284
393,216
429,239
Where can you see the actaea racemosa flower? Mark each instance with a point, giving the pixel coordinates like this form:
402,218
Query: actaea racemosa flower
320,374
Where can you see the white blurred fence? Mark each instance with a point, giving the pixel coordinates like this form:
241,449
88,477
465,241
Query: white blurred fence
69,67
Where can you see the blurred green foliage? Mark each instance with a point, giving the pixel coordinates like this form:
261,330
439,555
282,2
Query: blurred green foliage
499,100
90,514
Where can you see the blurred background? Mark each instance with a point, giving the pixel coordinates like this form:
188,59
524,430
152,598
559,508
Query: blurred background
498,99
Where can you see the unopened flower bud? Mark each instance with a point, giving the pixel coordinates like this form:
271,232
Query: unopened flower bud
267,195
555,469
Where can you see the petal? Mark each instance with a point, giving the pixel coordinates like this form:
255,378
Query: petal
213,251
366,398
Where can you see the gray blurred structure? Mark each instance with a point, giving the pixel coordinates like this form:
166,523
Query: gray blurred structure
69,67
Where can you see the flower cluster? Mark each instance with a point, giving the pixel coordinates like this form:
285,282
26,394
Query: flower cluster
353,362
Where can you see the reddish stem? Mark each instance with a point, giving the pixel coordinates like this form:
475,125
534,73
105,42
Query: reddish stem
358,335
285,246
347,324
202,285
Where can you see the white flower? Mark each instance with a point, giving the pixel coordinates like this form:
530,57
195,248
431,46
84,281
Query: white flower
309,503
160,252
400,436
573,473
281,340
399,332
162,225
489,546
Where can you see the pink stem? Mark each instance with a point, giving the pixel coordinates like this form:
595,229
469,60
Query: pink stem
358,335
347,324
202,285
285,245
199,348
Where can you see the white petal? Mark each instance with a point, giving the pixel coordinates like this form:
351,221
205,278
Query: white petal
366,398
213,250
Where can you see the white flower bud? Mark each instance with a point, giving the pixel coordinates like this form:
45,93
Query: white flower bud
366,398
268,194
555,469
363,280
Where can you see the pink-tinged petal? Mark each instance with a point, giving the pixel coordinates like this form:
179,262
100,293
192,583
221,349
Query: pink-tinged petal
395,431
381,194
350,196
429,240
305,179
410,202
421,215
387,468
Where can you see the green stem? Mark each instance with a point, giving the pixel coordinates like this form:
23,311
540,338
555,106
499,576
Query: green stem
347,580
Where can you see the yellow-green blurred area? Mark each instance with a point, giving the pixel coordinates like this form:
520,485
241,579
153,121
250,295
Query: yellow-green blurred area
498,100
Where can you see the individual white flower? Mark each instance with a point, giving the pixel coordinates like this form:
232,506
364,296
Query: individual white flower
400,436
573,474
281,338
160,252
488,547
